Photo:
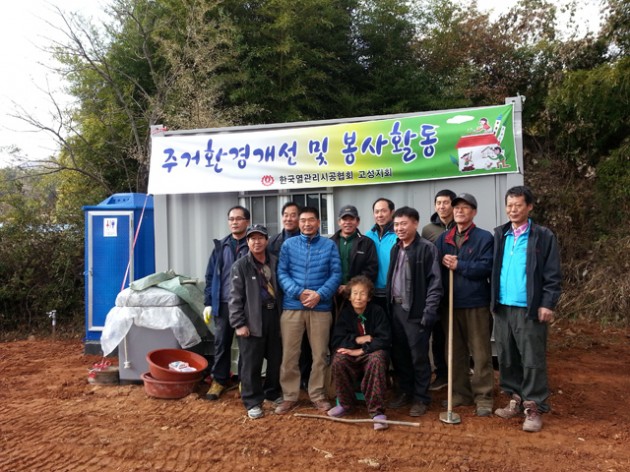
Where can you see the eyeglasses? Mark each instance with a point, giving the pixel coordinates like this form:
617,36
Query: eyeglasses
238,219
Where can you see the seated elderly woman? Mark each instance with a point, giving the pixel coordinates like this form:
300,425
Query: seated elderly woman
361,342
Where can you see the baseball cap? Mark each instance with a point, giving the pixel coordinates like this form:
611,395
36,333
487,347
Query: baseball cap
348,210
465,197
257,229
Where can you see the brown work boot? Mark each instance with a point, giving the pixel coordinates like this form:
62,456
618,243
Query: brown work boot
285,407
322,405
216,389
512,409
533,420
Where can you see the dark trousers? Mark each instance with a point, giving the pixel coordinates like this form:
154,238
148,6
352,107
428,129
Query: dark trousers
305,362
438,349
522,352
253,350
410,355
223,337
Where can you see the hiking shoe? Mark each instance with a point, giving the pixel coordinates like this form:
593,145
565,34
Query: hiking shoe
438,384
533,420
417,409
277,401
483,411
216,389
338,411
379,426
255,412
511,410
322,405
402,399
284,407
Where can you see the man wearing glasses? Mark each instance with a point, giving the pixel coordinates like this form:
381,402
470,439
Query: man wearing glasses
217,293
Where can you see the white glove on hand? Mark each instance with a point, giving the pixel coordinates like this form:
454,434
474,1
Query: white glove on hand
207,314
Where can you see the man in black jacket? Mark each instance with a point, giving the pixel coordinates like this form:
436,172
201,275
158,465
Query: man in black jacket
525,288
255,316
290,228
441,221
357,252
414,290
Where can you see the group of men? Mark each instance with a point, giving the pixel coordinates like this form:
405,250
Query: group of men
275,293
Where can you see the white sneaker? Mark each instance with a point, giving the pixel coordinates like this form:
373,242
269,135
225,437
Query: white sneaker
255,412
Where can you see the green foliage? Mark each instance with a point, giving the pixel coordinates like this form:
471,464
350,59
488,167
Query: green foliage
588,112
210,63
613,185
293,59
616,30
41,266
392,79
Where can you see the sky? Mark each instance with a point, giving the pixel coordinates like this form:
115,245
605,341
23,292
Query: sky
27,27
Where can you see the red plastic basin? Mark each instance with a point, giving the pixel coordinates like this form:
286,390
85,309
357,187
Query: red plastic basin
160,359
168,388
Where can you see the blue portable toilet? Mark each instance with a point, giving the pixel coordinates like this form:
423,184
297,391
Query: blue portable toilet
119,248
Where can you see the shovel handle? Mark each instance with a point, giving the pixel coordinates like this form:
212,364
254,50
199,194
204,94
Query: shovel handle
450,341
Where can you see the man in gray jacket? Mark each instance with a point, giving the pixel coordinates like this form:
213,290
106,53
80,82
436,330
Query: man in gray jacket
255,316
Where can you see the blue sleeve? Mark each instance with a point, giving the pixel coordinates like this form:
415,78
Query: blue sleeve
212,262
329,288
288,285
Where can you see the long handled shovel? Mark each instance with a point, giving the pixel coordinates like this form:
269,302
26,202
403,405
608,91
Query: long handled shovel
449,416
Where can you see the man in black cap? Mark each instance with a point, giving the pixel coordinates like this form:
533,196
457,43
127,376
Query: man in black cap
357,252
255,317
467,251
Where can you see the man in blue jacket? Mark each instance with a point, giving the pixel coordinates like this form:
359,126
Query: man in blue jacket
217,295
309,272
467,251
526,286
382,233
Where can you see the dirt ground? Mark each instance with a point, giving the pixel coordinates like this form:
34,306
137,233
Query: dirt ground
52,419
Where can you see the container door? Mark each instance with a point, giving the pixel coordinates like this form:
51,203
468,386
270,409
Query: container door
110,250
